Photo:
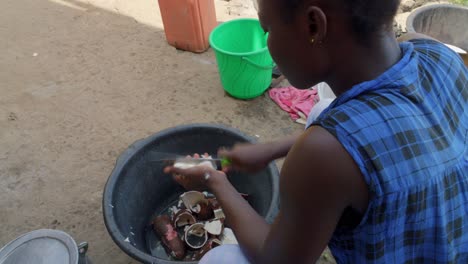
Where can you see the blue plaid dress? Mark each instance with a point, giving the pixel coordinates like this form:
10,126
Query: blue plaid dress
407,132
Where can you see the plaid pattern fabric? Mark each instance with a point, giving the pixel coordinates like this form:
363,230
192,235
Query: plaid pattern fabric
407,131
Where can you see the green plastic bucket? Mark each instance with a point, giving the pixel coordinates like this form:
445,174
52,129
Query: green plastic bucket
244,62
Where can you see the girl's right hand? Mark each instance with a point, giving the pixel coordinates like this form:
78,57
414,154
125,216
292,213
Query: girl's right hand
247,157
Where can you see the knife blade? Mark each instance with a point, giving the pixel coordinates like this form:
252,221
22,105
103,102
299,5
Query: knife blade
170,158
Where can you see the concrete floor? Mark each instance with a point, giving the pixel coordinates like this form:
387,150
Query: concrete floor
79,83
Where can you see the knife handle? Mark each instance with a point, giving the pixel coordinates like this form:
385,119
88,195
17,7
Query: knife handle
225,162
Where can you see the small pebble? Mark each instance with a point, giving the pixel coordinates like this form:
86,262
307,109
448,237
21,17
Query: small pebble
12,117
35,54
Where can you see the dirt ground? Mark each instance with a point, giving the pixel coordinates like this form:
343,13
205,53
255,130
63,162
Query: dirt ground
80,82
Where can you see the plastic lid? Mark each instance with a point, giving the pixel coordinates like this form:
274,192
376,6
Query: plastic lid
41,247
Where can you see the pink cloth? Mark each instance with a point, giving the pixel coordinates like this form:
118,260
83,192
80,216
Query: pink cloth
293,100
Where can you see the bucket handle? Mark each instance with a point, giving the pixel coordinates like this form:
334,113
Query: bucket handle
82,249
267,67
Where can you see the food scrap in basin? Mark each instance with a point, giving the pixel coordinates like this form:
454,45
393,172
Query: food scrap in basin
193,227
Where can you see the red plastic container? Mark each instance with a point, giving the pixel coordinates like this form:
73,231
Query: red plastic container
188,23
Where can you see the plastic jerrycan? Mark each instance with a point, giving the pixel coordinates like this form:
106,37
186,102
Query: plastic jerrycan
188,23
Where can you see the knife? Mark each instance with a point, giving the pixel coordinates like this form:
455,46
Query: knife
195,161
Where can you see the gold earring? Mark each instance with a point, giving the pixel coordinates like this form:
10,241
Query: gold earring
312,40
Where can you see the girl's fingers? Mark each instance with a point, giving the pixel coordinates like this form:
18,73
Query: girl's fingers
176,178
168,169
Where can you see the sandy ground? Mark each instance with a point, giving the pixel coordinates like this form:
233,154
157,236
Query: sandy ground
80,82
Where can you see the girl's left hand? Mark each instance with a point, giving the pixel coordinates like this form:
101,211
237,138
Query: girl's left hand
199,178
